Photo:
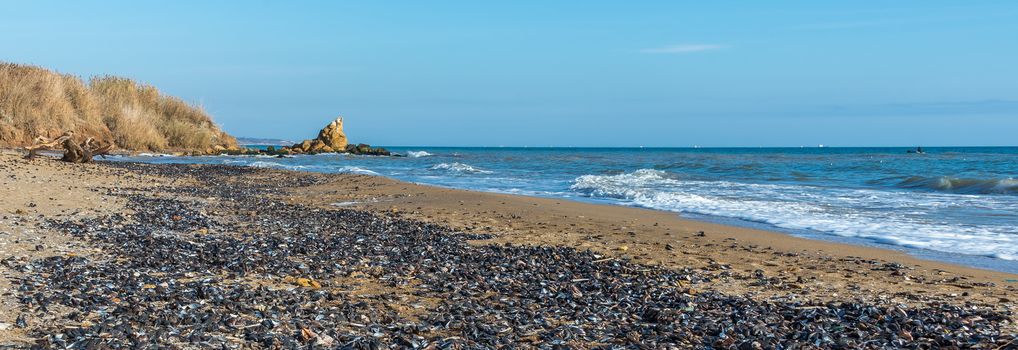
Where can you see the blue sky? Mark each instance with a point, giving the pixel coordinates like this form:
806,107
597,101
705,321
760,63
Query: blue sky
568,73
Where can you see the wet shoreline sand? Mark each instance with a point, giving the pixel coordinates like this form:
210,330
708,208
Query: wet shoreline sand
757,267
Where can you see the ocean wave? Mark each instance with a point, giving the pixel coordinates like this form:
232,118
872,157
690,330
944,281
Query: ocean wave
417,154
460,168
355,170
155,155
622,186
680,165
839,213
963,186
263,164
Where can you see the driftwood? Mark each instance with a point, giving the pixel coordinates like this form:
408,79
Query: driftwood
73,151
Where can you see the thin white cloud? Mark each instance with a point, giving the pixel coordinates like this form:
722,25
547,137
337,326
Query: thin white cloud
840,25
685,48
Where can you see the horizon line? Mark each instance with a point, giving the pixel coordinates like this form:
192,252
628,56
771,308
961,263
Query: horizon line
684,147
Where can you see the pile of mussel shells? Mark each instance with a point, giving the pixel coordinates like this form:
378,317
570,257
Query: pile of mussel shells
172,274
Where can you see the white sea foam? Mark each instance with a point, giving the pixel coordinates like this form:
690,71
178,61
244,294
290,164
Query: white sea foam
155,155
882,216
264,164
460,168
355,170
418,154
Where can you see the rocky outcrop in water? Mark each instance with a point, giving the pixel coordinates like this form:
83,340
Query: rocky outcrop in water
332,135
365,149
332,139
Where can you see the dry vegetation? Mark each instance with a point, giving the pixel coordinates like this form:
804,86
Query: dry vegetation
38,102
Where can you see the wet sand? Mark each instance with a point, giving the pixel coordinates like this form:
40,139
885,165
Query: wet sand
759,266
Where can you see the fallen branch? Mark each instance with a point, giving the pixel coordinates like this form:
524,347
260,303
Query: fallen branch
43,143
73,152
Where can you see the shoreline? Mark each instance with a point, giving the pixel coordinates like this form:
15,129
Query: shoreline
67,216
979,262
442,206
976,262
944,224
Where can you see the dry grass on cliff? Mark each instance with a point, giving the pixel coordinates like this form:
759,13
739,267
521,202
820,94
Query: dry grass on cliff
35,101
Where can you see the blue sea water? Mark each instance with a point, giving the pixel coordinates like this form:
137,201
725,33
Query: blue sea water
953,204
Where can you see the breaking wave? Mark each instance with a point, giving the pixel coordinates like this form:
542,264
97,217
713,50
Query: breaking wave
261,164
460,168
417,154
840,212
155,155
964,186
355,170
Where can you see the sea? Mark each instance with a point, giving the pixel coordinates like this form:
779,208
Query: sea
952,204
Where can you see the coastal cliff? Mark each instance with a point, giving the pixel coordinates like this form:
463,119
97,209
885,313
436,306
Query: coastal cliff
35,102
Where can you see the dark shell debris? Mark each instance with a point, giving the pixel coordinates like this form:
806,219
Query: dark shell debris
224,265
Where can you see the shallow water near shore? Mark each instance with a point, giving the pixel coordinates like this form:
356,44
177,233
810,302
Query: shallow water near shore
951,204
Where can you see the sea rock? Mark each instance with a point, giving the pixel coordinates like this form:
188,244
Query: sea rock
332,135
219,149
365,149
303,146
317,145
332,139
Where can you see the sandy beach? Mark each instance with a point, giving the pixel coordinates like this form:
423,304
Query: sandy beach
57,219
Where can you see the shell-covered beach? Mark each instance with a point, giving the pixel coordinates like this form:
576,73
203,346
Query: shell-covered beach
197,256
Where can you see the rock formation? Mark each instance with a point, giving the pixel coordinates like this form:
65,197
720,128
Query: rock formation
365,149
332,139
332,135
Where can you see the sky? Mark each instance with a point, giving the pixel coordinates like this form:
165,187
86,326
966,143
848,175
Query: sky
556,73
